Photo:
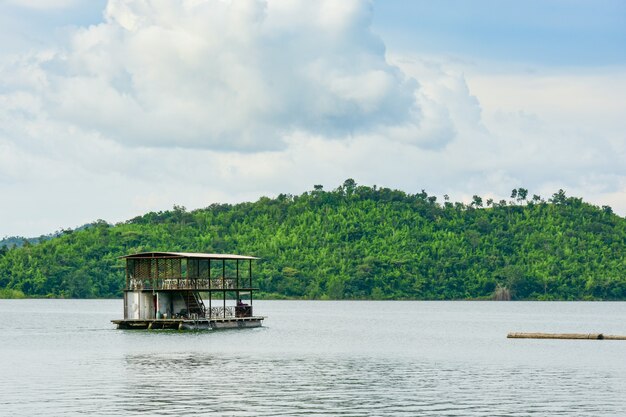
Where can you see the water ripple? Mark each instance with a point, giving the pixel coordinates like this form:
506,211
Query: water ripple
177,384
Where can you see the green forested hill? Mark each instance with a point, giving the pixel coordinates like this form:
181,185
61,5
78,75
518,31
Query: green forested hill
356,242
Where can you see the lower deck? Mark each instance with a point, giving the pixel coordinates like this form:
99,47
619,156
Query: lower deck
191,324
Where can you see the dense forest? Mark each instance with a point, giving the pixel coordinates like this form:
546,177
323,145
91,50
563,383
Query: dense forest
355,242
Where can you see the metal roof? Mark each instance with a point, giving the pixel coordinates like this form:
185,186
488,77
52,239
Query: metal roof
188,255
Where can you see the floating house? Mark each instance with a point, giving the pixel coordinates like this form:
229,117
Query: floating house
179,290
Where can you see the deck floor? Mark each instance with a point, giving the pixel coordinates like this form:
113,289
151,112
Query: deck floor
190,324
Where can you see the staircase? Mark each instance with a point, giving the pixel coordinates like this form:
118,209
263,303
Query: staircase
194,304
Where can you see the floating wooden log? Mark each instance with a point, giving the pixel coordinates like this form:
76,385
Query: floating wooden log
586,336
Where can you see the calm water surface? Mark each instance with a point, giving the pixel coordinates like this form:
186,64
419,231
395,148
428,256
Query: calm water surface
64,357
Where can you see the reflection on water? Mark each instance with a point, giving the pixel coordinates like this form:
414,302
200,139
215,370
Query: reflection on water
297,368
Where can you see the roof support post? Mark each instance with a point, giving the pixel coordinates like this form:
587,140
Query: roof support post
250,270
210,293
127,274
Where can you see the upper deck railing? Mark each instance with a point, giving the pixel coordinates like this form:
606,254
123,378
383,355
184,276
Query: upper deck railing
183,283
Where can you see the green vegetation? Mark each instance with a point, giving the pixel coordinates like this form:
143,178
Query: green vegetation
356,242
8,293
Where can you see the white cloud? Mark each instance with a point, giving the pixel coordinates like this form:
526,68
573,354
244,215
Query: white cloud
233,75
543,129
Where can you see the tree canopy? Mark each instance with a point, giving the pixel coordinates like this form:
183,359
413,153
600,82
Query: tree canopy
355,242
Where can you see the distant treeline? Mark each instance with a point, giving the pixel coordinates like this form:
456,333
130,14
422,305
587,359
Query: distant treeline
19,241
355,242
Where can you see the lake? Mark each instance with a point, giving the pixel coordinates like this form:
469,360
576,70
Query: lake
340,358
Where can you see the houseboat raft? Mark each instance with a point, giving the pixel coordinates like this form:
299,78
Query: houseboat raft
171,290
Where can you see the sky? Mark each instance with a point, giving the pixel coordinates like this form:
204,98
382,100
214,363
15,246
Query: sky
113,108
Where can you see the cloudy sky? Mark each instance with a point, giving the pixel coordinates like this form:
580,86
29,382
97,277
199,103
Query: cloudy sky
110,109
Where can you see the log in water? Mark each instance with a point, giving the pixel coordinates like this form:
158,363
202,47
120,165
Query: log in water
587,336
